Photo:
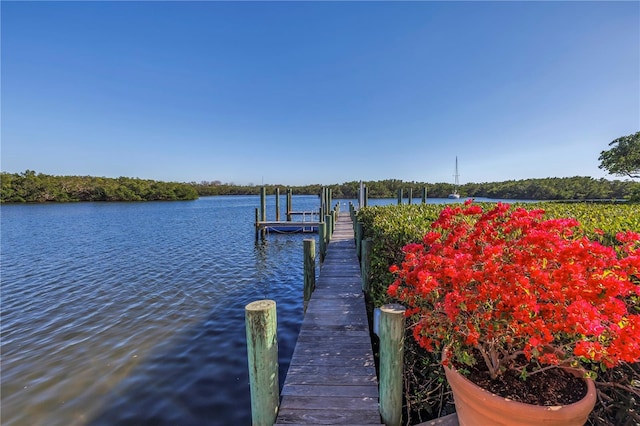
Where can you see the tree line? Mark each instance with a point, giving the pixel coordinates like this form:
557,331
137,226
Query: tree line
571,188
32,187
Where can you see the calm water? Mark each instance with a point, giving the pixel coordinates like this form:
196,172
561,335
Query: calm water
133,313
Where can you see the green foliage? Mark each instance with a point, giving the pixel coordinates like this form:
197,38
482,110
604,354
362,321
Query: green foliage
624,158
390,228
29,187
426,396
573,188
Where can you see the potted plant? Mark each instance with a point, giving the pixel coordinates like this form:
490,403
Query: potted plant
506,293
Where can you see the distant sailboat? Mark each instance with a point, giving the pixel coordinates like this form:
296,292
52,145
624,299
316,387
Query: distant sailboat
455,193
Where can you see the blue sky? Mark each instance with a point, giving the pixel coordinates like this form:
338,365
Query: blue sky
317,92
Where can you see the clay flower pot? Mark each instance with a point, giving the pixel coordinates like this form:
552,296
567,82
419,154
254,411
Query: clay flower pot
476,406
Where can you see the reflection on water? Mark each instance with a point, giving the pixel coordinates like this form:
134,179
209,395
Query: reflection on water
133,313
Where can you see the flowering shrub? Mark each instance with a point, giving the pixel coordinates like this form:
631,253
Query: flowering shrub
521,291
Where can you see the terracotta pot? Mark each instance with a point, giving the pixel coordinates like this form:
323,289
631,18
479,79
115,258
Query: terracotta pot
476,406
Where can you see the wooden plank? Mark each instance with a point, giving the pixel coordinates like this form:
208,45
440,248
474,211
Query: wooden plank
332,377
355,391
326,417
328,379
295,402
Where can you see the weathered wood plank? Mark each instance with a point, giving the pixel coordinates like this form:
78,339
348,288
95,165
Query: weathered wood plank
295,402
331,377
333,371
325,417
355,391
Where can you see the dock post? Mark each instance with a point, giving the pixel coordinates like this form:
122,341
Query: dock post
399,196
263,204
366,196
358,239
327,220
424,195
322,240
334,219
262,352
391,360
309,269
365,264
257,220
289,207
277,204
410,194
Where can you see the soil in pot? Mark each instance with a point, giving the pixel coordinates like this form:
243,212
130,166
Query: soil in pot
550,387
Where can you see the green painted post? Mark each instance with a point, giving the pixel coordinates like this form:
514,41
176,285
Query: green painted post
257,219
278,204
391,359
334,219
328,219
263,204
410,195
359,239
365,264
322,239
424,195
262,352
309,269
400,196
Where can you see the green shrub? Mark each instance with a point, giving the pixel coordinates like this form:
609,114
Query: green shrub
426,393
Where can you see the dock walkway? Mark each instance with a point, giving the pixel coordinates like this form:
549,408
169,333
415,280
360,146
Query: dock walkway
332,377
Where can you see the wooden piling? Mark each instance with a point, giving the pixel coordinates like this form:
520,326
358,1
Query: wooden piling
277,204
366,196
289,204
262,352
257,220
424,195
263,204
334,219
399,196
328,219
358,238
309,269
410,195
322,240
392,330
365,264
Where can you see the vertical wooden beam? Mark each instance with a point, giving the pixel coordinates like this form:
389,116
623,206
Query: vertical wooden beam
328,219
358,239
365,264
322,240
410,194
257,220
309,269
366,196
399,196
263,204
424,195
278,204
392,331
262,352
289,206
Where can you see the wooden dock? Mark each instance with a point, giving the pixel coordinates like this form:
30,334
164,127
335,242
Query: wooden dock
332,377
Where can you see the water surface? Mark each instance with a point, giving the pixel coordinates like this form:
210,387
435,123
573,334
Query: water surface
133,313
